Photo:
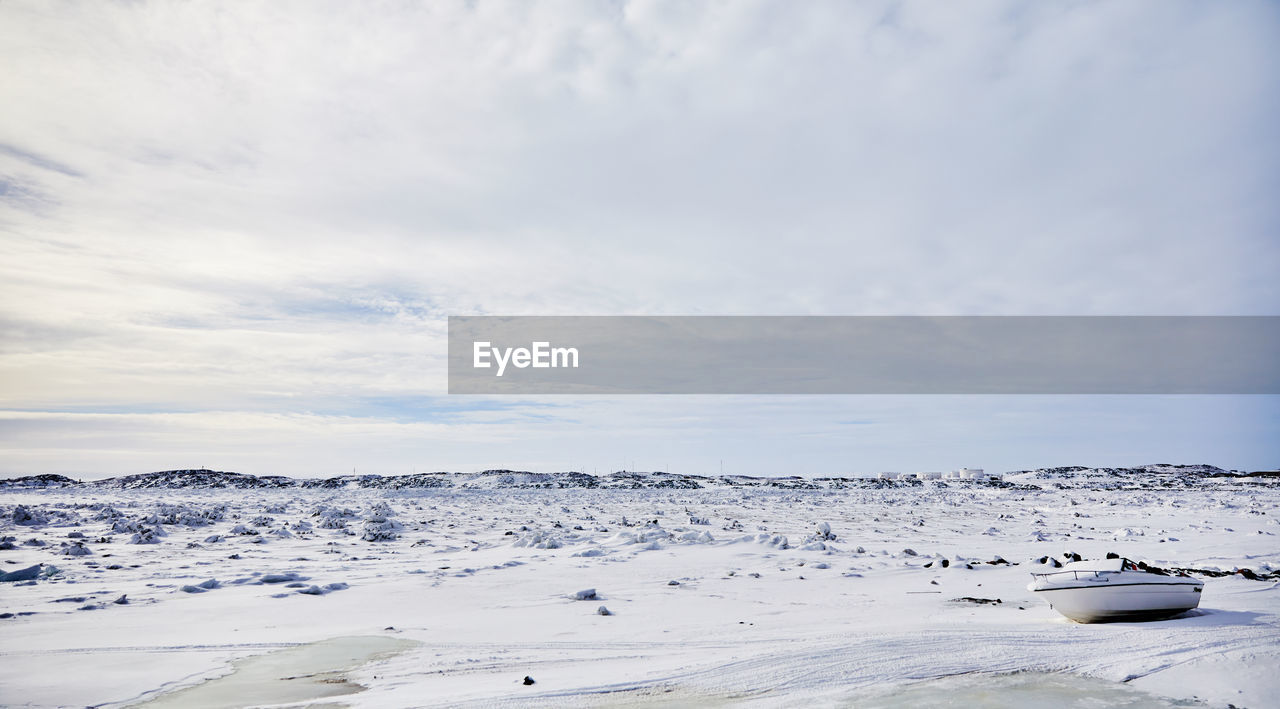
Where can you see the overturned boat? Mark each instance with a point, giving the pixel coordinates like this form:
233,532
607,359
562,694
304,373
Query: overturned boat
1105,590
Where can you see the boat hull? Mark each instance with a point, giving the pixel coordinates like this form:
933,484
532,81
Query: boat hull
1123,601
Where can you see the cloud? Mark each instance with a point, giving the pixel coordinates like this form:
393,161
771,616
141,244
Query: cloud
748,435
271,207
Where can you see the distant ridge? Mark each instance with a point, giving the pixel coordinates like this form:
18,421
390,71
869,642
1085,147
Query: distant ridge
1152,476
1155,476
193,478
46,480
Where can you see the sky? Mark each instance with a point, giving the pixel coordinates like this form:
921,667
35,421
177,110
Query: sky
231,234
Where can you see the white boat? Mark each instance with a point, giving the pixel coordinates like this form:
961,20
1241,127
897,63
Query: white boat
1105,590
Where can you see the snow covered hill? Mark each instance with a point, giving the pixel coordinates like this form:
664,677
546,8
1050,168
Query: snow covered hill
38,481
1144,477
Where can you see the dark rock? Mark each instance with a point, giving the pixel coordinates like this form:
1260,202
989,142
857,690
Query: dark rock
976,601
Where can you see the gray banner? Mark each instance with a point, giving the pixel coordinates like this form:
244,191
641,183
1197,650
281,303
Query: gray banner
864,355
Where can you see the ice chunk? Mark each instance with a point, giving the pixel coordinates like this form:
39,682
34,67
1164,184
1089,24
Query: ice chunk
281,578
146,536
29,518
28,574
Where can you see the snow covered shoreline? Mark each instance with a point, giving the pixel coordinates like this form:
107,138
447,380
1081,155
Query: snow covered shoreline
743,594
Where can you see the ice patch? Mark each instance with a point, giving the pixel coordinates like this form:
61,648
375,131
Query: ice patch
290,676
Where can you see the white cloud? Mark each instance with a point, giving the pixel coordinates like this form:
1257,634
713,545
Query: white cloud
748,435
270,207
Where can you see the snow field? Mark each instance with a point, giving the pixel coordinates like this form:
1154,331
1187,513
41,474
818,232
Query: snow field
778,596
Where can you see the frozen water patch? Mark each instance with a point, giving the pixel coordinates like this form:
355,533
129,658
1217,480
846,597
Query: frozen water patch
296,674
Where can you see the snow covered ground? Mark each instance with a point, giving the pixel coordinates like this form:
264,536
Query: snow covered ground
726,594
